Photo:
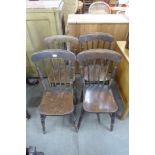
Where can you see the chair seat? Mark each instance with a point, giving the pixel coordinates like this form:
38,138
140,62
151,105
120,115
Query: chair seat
56,103
99,99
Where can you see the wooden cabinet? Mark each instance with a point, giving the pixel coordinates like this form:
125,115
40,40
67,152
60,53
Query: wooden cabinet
43,18
122,76
116,25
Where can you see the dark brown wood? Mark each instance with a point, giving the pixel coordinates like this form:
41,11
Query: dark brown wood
98,96
57,99
42,117
56,102
99,61
112,121
80,119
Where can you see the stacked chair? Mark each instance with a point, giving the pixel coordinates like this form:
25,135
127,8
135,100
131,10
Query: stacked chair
97,67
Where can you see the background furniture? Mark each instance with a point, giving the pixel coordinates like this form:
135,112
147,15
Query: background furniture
43,18
98,96
69,7
57,99
116,25
99,8
122,76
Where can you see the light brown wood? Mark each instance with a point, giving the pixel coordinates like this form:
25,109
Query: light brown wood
116,25
122,76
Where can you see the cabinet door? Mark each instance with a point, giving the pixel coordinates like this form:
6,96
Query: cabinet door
38,26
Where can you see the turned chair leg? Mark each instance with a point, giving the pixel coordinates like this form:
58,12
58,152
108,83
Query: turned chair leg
112,121
80,119
73,118
42,117
98,117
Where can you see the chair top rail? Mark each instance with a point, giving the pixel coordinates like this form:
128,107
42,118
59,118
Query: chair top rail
53,53
98,54
96,36
61,39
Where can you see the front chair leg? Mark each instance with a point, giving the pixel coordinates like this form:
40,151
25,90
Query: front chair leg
112,121
80,119
42,117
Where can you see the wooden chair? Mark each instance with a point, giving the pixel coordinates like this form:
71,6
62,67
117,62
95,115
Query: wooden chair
93,41
98,97
99,8
57,99
62,42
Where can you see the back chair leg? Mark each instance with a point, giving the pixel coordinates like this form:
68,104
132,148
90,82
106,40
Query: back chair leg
112,121
80,119
42,117
98,117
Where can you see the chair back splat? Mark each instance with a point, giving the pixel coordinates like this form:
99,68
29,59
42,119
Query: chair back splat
55,64
98,65
95,40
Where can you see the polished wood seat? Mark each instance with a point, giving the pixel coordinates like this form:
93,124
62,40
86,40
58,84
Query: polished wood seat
57,99
56,103
99,99
97,94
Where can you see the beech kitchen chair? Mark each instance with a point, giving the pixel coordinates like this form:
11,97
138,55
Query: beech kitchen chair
57,99
99,8
97,95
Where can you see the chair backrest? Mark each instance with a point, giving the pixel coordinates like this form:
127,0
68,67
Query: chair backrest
61,42
99,8
95,40
55,64
98,65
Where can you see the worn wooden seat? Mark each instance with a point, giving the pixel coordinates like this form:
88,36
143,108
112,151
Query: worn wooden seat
58,95
99,8
97,95
56,103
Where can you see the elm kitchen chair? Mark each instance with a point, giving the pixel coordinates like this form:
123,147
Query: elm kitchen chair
99,8
97,95
57,99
